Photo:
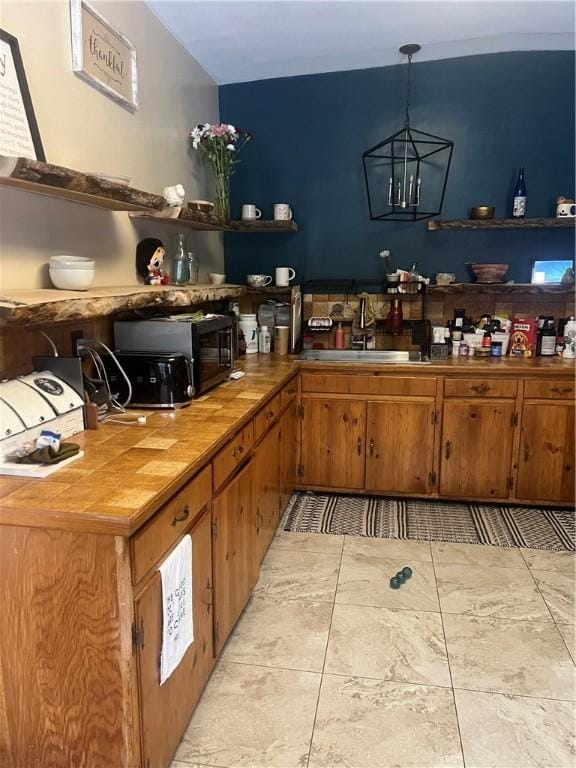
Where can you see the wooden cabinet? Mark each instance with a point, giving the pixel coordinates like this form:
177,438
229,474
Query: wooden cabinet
288,454
266,490
546,460
400,446
234,569
333,442
165,710
477,441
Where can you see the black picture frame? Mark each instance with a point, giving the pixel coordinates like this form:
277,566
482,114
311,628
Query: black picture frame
25,93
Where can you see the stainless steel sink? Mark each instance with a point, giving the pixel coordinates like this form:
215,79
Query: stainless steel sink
364,356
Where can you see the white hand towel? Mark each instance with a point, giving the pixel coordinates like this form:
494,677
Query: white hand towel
177,614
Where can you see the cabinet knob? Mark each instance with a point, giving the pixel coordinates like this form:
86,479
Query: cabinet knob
238,451
526,452
184,516
561,390
480,388
359,446
372,445
448,449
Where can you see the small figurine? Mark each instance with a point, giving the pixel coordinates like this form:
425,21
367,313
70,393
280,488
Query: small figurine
174,195
149,259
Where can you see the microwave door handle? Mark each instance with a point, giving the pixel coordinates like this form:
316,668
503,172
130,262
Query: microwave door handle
227,334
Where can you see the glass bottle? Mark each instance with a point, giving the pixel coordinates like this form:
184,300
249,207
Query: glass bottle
394,319
193,268
180,271
519,203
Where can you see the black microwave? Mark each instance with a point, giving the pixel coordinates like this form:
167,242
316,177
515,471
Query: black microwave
207,343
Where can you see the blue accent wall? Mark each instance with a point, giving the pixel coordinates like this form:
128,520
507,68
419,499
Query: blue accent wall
501,110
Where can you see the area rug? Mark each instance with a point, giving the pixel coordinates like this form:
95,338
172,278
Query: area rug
425,520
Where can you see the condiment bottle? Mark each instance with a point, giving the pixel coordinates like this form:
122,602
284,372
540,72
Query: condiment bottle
394,319
339,337
264,340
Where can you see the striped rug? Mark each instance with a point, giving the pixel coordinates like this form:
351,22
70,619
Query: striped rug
425,520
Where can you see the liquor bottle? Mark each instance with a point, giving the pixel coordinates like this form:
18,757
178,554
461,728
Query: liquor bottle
519,205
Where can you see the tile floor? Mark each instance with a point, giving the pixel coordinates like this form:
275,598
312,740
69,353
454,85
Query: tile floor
470,663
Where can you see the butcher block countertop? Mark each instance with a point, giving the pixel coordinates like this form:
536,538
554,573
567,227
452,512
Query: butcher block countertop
128,472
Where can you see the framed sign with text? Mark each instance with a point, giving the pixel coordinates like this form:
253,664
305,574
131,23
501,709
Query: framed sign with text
19,135
102,56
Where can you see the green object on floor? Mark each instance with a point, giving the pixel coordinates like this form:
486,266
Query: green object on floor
406,572
395,582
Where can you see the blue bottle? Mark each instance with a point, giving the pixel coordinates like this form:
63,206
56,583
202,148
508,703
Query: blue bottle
519,205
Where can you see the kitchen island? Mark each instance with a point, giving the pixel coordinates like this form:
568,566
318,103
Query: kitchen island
79,552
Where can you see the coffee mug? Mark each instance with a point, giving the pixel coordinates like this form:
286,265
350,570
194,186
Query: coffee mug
250,212
566,209
258,281
282,212
283,276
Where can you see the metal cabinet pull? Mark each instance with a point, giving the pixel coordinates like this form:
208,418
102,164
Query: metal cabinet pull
480,388
372,445
184,516
561,390
448,450
526,452
238,451
359,446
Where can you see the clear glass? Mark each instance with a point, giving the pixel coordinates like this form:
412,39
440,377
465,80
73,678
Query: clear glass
193,268
180,272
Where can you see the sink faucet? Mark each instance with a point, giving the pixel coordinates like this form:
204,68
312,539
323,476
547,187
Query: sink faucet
362,314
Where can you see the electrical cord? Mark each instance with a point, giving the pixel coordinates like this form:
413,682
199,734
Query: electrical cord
49,340
88,346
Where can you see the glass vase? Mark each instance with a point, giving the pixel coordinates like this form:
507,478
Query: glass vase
222,196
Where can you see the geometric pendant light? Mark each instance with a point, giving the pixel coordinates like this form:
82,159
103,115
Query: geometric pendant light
406,174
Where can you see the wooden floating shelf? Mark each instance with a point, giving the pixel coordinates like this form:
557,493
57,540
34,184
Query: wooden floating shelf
505,288
65,184
561,222
207,223
47,305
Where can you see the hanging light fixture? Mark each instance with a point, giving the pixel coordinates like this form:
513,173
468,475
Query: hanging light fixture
406,174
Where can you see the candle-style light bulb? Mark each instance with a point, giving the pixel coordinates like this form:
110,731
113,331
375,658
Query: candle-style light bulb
418,189
390,187
411,189
399,192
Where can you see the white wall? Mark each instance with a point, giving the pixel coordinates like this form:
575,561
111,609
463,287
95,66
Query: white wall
85,130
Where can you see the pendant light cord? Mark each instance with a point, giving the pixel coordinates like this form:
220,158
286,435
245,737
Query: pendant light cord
408,92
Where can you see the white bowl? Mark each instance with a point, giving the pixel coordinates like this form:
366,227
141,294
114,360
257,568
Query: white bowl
64,261
216,278
72,279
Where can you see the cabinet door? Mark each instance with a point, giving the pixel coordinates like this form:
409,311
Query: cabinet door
476,449
288,454
400,446
266,490
333,443
546,462
233,556
166,709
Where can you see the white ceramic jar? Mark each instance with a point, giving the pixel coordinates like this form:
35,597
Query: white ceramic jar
249,326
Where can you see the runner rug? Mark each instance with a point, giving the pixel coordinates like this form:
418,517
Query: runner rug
424,520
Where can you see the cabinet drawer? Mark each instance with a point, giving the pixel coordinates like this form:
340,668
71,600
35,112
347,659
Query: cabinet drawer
369,385
266,416
480,388
550,390
167,525
288,394
232,455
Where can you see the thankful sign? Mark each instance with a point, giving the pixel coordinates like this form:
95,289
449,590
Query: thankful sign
16,139
102,56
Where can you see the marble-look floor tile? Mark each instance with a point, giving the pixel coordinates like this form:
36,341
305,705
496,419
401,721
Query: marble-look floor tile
476,590
390,548
365,580
253,717
375,724
298,575
568,632
323,543
526,658
524,732
550,561
404,646
557,588
281,633
477,554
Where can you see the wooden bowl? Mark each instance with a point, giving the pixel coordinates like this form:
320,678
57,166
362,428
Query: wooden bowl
489,273
202,206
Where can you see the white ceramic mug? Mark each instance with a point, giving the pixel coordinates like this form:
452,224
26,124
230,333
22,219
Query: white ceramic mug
566,209
282,212
250,212
283,276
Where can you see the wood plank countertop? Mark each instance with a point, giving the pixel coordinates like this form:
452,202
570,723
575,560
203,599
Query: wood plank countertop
128,472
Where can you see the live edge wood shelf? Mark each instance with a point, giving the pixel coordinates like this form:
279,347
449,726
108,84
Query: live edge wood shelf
209,223
47,305
434,225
